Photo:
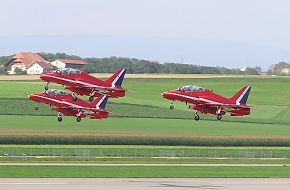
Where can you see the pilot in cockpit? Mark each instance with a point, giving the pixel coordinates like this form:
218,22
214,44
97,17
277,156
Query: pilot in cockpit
55,92
190,88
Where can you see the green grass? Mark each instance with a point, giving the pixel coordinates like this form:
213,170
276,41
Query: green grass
143,171
141,126
265,91
119,153
144,118
269,96
145,113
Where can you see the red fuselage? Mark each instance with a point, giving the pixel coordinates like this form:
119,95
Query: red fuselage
196,97
84,84
66,105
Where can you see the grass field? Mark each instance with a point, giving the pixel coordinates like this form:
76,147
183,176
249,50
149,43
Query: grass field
144,119
144,112
144,154
141,171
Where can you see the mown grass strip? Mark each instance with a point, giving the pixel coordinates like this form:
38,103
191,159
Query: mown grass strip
141,171
144,140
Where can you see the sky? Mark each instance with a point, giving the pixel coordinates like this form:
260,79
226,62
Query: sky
230,32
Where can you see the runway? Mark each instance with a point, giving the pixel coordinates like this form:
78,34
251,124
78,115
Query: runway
155,165
143,183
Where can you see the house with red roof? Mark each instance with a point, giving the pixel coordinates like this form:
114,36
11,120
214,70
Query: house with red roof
68,63
28,62
285,71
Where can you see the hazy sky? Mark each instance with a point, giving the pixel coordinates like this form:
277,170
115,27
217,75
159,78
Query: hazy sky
253,22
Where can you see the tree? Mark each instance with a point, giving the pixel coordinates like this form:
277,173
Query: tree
2,70
19,71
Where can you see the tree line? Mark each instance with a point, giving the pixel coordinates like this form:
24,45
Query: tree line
138,66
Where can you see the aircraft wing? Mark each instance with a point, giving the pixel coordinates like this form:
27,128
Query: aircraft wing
227,105
94,87
81,110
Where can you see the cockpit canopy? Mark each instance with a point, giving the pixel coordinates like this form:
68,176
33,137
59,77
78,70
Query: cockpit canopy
67,71
190,88
55,92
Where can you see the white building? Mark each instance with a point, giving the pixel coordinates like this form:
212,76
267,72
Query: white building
28,62
68,63
37,68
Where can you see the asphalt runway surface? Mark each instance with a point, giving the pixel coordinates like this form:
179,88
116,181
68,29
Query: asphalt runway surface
144,183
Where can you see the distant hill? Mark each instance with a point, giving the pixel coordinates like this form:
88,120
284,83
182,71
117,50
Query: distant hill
191,51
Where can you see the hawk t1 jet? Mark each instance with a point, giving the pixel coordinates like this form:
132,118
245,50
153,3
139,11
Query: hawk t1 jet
84,84
64,104
206,101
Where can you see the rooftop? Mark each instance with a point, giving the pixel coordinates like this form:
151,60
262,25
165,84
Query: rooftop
26,58
73,61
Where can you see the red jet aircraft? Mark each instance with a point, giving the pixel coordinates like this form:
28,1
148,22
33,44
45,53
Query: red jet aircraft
205,101
84,84
64,105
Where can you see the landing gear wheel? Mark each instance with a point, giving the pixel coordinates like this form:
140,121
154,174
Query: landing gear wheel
219,117
36,108
59,119
196,117
74,98
171,107
79,118
91,98
46,87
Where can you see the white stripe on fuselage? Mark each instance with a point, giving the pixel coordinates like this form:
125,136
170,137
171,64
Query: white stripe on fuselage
60,101
76,81
195,99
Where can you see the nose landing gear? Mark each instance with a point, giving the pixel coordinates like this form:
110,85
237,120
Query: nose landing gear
74,98
59,118
36,106
171,105
46,86
196,116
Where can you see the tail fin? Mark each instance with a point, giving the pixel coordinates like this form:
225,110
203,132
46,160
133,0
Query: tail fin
241,97
100,102
117,78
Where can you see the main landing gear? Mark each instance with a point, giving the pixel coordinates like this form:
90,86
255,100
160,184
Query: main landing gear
92,95
79,117
219,117
171,105
91,98
196,116
59,118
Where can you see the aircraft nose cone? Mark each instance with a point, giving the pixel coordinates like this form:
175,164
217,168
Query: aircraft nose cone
41,77
164,94
29,96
